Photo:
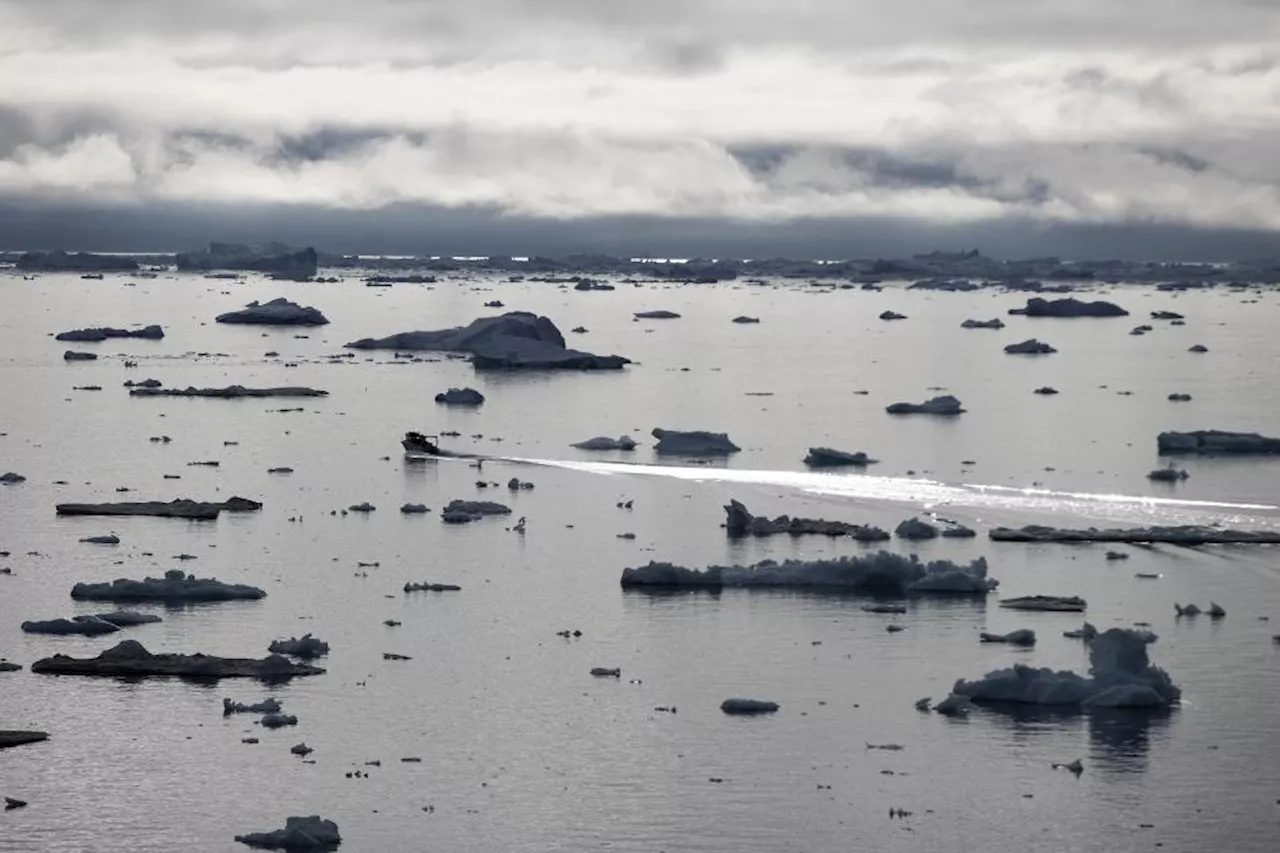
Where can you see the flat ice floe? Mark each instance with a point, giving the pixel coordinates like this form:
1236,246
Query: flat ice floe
882,572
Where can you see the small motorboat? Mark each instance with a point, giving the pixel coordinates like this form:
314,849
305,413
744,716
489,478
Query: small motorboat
417,444
420,446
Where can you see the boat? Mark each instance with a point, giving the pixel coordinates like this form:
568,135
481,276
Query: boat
420,446
417,444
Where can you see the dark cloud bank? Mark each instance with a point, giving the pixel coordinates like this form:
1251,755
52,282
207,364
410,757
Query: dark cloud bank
416,230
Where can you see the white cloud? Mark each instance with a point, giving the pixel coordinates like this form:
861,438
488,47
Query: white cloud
94,163
949,111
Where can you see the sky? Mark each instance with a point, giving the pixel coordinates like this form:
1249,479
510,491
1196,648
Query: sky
831,128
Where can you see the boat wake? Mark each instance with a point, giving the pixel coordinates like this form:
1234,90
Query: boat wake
932,494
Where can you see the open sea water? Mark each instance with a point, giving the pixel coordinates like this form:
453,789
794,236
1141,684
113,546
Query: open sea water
521,748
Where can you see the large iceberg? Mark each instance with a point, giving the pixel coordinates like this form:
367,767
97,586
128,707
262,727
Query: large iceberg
306,647
74,262
826,457
312,833
693,443
460,397
1183,535
1120,676
175,587
461,512
604,442
740,522
231,392
84,626
944,405
102,333
131,659
881,573
1031,346
180,508
516,339
274,258
277,312
1216,441
1069,307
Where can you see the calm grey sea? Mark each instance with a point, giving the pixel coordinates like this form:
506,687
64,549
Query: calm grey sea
521,749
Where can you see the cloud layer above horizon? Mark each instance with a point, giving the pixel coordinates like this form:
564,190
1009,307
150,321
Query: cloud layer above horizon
945,111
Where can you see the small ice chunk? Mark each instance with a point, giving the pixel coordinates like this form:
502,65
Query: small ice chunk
1020,637
748,706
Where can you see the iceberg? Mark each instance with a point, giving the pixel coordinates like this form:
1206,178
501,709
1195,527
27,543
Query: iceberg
825,457
1020,637
181,508
84,626
945,405
427,586
693,443
278,721
277,312
462,512
311,833
954,705
460,397
130,659
1031,346
1181,535
1216,441
1069,307
516,339
306,647
879,573
128,618
231,392
74,262
147,333
748,706
740,522
266,706
1050,603
604,442
1120,676
1086,632
174,587
915,529
275,259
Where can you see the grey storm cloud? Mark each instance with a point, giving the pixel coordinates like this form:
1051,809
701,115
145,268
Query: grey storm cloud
947,112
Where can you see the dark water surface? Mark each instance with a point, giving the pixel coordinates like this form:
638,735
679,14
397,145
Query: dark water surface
521,748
